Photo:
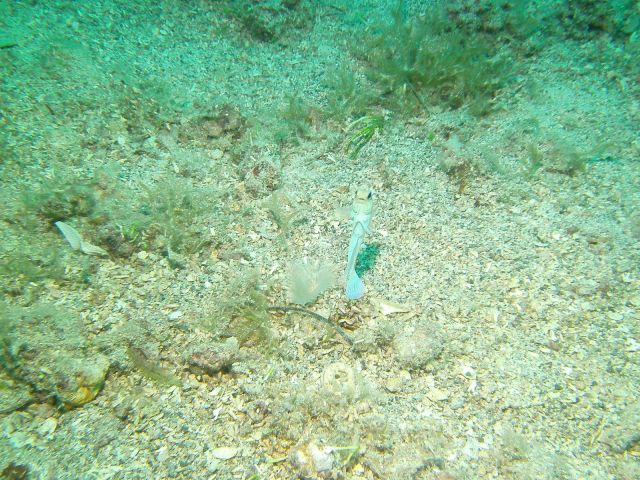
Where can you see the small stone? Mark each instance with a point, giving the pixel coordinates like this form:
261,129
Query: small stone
212,464
162,454
47,427
586,287
615,316
224,453
322,459
437,395
216,154
633,345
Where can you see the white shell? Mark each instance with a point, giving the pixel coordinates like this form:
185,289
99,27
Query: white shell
70,234
90,249
77,243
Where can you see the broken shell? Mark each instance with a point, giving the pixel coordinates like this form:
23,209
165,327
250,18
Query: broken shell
77,242
89,249
90,380
386,307
79,397
70,234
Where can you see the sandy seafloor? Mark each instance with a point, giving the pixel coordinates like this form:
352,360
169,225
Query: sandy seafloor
516,355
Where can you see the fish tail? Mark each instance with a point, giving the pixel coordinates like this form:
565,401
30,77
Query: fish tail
355,286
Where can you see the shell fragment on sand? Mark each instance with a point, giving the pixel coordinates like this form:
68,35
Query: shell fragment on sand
386,307
77,243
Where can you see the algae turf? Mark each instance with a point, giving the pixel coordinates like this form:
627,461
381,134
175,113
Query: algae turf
424,60
59,199
297,119
348,95
45,348
273,21
243,312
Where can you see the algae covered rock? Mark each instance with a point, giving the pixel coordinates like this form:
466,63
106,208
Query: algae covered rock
46,349
417,345
13,395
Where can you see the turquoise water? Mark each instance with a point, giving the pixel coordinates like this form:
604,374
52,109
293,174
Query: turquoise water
179,181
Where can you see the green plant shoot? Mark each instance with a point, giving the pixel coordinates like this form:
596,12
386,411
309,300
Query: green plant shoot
363,130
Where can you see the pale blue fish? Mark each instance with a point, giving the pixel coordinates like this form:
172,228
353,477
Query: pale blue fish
361,212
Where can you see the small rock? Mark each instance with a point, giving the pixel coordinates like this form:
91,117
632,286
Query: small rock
586,287
47,427
224,453
458,403
312,459
615,316
321,456
418,344
437,395
216,154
